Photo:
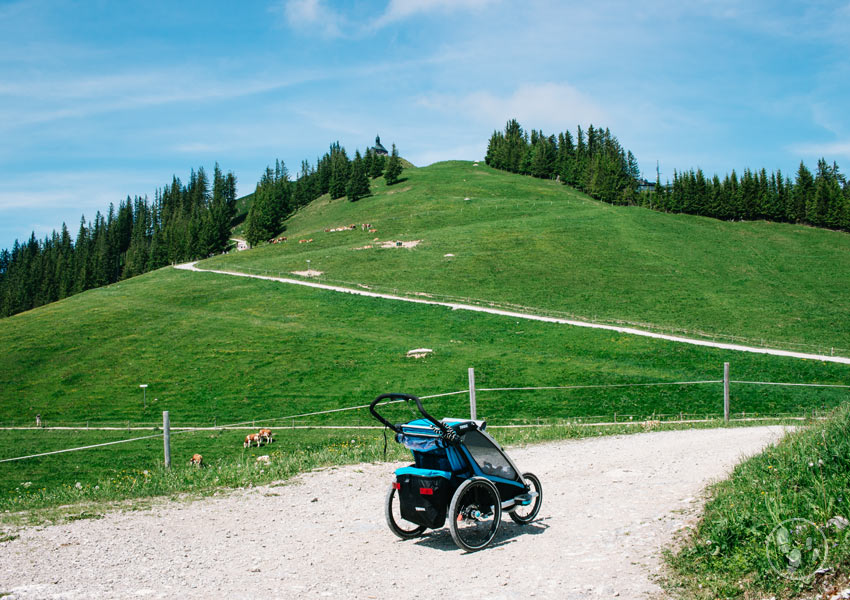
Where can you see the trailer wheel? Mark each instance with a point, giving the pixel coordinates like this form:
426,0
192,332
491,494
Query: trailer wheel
402,528
475,514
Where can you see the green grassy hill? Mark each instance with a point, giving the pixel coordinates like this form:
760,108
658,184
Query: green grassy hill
220,349
538,244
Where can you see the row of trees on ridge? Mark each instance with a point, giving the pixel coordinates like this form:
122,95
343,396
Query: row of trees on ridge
277,197
594,162
182,223
821,199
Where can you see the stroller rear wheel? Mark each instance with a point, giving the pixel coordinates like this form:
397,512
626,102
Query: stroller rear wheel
402,528
475,513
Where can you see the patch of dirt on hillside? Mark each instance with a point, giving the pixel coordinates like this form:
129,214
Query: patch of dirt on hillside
400,244
401,191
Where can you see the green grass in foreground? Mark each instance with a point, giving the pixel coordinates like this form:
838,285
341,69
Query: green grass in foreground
538,244
746,523
88,482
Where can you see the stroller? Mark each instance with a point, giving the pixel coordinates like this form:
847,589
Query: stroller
459,472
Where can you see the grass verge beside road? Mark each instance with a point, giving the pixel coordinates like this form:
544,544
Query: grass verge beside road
778,526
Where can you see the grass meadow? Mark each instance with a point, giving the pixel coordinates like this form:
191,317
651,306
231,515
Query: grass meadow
516,240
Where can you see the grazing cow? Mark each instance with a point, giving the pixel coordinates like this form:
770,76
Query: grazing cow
252,438
197,460
266,435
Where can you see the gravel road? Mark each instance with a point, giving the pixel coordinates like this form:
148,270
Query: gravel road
610,505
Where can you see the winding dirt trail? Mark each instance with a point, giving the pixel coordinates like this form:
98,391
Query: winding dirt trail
610,505
528,316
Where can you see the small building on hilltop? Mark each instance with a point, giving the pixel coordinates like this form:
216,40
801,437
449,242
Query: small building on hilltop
379,148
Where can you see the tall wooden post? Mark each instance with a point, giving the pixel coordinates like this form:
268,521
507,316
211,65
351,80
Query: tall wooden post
166,438
726,392
473,412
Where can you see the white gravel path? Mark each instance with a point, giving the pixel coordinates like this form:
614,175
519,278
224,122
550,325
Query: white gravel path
192,266
610,505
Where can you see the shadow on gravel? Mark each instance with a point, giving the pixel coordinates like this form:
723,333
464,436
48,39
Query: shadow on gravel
441,539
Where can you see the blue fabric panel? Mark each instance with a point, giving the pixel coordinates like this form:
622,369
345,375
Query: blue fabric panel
455,460
419,444
423,472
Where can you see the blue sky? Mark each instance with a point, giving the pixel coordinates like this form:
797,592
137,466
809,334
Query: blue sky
100,100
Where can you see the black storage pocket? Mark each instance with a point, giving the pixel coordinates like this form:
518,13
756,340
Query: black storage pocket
424,500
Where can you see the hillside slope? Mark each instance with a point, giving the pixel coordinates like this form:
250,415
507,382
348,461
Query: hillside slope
521,241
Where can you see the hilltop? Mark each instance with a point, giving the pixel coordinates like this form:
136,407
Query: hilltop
496,237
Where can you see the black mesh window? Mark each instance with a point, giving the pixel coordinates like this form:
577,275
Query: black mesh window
488,457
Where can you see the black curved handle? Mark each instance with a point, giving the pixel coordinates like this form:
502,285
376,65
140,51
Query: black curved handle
408,398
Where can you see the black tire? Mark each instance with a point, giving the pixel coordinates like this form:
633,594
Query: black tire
526,514
475,514
402,528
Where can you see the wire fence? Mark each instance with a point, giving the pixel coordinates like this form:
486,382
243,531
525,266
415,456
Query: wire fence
290,421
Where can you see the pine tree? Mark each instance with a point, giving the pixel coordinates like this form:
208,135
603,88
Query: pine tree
340,171
378,164
394,168
358,183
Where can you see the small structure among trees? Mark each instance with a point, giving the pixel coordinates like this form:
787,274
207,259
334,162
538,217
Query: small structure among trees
379,148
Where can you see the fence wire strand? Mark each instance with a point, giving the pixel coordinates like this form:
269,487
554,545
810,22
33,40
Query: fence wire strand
431,396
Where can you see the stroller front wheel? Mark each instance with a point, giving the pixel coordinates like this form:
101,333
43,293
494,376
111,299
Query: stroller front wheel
399,526
526,514
475,514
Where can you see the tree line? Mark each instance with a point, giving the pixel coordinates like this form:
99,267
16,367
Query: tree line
276,196
821,199
592,161
183,222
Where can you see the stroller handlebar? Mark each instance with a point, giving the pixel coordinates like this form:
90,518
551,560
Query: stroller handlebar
408,397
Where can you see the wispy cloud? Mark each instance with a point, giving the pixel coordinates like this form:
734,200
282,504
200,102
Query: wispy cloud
311,14
315,15
36,101
78,191
399,10
552,106
823,149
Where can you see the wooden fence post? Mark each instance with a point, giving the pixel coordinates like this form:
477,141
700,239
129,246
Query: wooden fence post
166,438
473,412
726,393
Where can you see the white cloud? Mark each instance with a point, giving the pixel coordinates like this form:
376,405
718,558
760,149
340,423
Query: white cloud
398,10
548,106
829,150
311,13
314,14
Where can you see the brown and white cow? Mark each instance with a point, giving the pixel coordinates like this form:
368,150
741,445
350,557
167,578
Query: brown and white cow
252,438
197,460
266,435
